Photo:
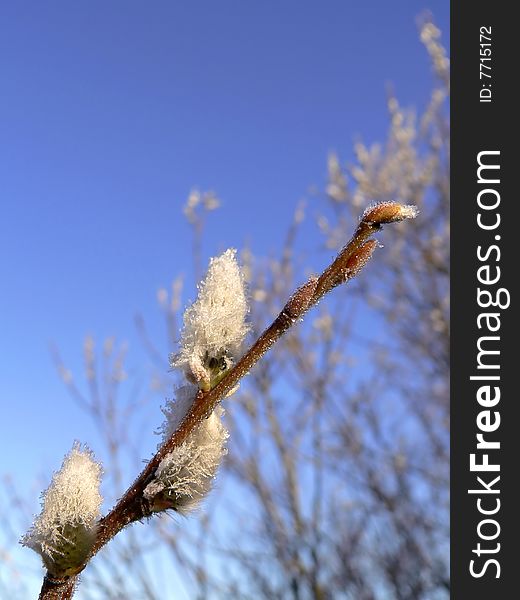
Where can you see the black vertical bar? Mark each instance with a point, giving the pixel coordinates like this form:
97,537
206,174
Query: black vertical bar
484,121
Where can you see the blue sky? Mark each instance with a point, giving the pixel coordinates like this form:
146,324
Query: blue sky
110,112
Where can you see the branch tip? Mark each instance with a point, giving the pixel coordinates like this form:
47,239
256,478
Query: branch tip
389,212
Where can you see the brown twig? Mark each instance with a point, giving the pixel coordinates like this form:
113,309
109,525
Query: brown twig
133,506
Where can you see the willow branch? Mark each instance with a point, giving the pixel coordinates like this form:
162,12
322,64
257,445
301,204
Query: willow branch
133,506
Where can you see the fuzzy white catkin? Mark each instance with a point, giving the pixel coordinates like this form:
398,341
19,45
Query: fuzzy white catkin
65,530
185,475
215,324
211,339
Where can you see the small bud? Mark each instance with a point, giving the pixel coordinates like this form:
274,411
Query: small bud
389,212
360,258
300,300
65,530
354,263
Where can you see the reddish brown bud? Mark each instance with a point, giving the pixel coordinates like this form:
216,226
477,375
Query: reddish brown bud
301,299
360,258
389,212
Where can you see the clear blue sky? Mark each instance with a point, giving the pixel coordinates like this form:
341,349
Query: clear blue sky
110,112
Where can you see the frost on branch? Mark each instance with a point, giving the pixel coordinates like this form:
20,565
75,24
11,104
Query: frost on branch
65,530
214,325
185,474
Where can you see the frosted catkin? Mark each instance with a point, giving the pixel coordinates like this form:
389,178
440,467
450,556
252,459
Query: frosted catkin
63,533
